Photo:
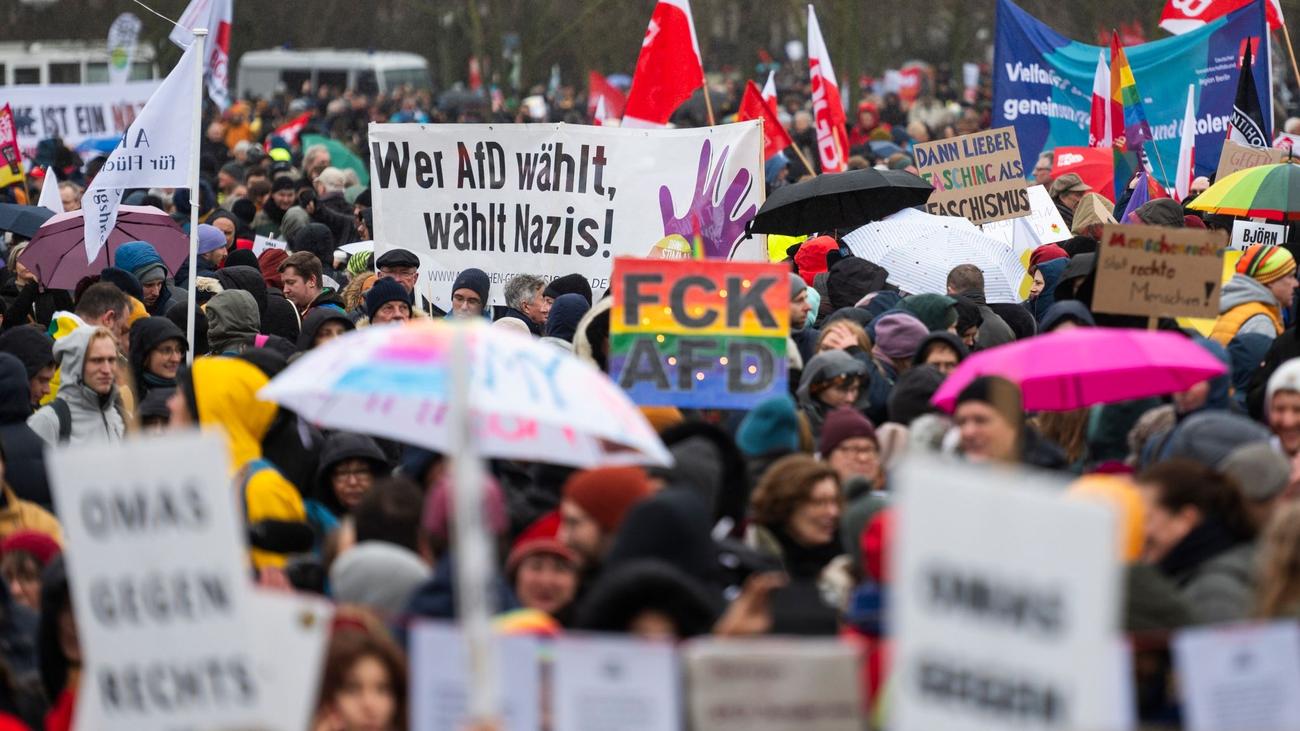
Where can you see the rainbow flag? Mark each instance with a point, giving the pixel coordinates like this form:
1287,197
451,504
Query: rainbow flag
1126,105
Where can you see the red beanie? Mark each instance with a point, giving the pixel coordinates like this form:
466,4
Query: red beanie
1046,252
607,493
40,545
539,537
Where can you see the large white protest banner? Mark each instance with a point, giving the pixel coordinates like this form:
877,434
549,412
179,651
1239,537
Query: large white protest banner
774,685
74,112
158,576
554,199
1239,677
440,684
1005,607
155,151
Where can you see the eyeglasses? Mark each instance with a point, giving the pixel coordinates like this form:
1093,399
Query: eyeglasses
860,451
461,299
399,273
343,474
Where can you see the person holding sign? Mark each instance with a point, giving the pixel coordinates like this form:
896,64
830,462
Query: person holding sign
1254,299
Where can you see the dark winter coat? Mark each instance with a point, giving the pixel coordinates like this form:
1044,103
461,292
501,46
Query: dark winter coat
24,452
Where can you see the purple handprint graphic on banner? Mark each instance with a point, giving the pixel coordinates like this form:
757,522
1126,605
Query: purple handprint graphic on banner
712,212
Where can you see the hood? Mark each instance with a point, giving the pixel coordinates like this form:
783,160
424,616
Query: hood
248,279
851,279
827,365
1052,271
31,346
593,329
15,391
707,460
670,526
225,392
339,447
1066,311
811,257
945,337
232,316
311,324
379,575
146,335
1017,317
70,352
315,238
294,220
1241,290
566,313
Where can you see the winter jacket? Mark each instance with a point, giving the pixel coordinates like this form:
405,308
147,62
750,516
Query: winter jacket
35,305
250,280
17,514
1246,306
533,327
24,452
316,319
225,393
281,316
1051,271
233,322
333,210
202,267
994,331
94,417
146,335
1285,347
849,280
340,447
1214,571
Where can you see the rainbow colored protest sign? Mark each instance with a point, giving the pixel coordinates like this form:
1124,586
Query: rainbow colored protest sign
703,334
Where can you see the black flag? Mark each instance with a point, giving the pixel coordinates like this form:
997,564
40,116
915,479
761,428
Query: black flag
1248,125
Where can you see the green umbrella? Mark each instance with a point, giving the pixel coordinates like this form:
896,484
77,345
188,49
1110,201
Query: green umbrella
340,156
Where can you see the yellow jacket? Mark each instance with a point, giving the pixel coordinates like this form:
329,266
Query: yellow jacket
225,392
19,515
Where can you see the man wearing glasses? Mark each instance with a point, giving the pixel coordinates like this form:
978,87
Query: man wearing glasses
469,294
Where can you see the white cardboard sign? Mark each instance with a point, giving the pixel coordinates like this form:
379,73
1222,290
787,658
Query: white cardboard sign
440,678
1239,678
1246,233
601,683
1043,225
1005,607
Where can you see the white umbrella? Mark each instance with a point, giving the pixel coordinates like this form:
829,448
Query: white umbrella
919,249
526,399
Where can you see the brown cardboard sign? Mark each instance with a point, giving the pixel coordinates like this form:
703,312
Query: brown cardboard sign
1235,156
1153,271
977,176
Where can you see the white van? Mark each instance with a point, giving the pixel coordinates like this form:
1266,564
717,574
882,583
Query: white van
38,63
265,73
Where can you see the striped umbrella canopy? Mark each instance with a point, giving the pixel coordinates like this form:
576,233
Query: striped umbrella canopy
1267,191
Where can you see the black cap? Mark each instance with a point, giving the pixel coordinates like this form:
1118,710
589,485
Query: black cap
397,258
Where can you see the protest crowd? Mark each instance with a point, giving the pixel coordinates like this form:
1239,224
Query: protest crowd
775,519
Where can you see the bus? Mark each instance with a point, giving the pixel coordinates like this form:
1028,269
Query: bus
40,63
266,73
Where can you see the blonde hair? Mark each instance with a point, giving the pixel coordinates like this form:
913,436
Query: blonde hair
1067,428
1277,563
859,334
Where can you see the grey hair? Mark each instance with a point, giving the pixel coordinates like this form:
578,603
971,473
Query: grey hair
523,288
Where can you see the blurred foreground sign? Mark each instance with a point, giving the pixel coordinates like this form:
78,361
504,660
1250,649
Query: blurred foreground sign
1154,271
774,685
1239,677
703,334
1005,607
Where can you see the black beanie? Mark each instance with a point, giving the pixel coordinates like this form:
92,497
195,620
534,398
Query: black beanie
477,281
123,280
385,290
999,393
912,393
29,345
568,284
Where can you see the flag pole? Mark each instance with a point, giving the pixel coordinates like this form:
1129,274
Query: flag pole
708,103
196,130
1290,52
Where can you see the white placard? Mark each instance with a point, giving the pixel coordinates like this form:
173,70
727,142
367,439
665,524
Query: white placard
291,632
1239,678
158,572
440,678
1005,606
74,112
774,685
603,683
1043,225
1245,233
557,199
262,243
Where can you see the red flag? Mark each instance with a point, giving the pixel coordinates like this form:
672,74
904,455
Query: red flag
752,106
598,89
1181,16
828,110
475,74
669,70
289,131
11,160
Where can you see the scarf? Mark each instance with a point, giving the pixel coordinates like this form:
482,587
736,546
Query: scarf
1203,543
805,562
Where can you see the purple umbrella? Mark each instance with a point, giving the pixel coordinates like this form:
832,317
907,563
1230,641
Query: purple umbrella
57,253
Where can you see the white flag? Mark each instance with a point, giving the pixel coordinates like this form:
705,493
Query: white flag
769,89
50,192
154,152
122,35
215,16
1187,149
828,110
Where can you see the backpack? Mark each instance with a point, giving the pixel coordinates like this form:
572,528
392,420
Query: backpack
64,414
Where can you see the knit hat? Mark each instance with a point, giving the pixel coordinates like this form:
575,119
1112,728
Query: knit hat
385,290
123,280
474,280
1093,208
999,393
241,258
141,259
1259,469
912,393
437,516
935,311
269,264
1046,252
841,425
40,545
566,313
29,345
898,335
772,427
797,285
1285,378
539,537
606,493
1266,264
378,575
210,238
1210,436
569,284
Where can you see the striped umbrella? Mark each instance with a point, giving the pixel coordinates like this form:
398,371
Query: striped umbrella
1267,191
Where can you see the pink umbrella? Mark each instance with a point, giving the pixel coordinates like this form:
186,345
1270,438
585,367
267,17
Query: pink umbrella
1088,365
57,253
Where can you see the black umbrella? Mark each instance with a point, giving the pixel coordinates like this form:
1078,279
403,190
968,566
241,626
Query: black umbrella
844,200
23,220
